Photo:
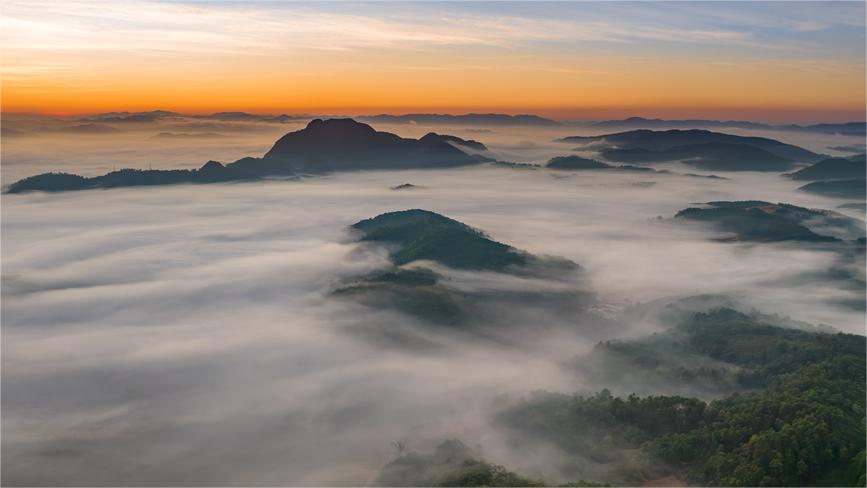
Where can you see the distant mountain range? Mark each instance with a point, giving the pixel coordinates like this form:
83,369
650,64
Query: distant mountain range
323,146
489,119
700,148
466,119
331,145
159,115
847,128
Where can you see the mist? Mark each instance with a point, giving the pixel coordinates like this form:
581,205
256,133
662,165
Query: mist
189,334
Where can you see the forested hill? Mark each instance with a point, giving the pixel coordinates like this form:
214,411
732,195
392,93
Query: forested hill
805,427
799,422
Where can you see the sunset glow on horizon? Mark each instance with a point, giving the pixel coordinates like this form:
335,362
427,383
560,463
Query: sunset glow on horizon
762,61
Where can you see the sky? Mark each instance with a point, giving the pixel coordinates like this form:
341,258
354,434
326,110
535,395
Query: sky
770,61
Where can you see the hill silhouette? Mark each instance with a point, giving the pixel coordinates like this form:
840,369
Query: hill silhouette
759,221
344,144
712,156
425,235
667,139
323,146
832,169
854,188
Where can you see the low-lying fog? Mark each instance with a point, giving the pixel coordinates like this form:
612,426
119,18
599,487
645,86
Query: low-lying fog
186,334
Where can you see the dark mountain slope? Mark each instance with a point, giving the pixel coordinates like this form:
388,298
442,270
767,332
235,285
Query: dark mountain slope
768,222
713,156
832,169
662,140
211,172
854,188
344,144
323,146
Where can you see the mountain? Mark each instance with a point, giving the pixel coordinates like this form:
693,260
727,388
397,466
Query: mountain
322,146
466,119
832,169
711,156
425,235
211,172
187,135
854,188
469,143
152,116
344,144
663,140
643,123
847,128
850,148
429,253
90,128
247,117
759,221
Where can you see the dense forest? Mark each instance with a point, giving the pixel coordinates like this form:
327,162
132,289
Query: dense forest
797,416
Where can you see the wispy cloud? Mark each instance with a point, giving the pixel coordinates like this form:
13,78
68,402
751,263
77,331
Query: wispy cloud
250,30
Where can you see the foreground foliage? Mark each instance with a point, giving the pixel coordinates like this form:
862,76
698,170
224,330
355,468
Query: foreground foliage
805,426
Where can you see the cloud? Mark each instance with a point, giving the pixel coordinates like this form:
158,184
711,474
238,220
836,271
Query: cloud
187,335
274,29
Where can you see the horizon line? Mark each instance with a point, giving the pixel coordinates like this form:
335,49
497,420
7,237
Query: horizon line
457,113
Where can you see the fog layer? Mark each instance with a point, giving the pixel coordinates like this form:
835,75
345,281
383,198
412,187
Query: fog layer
189,335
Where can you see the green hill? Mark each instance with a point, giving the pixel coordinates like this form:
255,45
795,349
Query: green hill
832,169
425,235
804,426
771,222
854,188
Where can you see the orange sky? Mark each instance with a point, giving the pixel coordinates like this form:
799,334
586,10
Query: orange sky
215,57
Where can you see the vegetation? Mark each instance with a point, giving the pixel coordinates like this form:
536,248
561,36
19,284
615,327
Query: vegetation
210,172
425,235
719,156
854,188
661,140
832,169
322,146
452,463
768,222
806,425
576,162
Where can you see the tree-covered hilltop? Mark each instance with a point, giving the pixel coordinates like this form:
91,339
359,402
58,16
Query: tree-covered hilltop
772,222
855,188
452,463
832,169
805,426
415,236
210,172
424,235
